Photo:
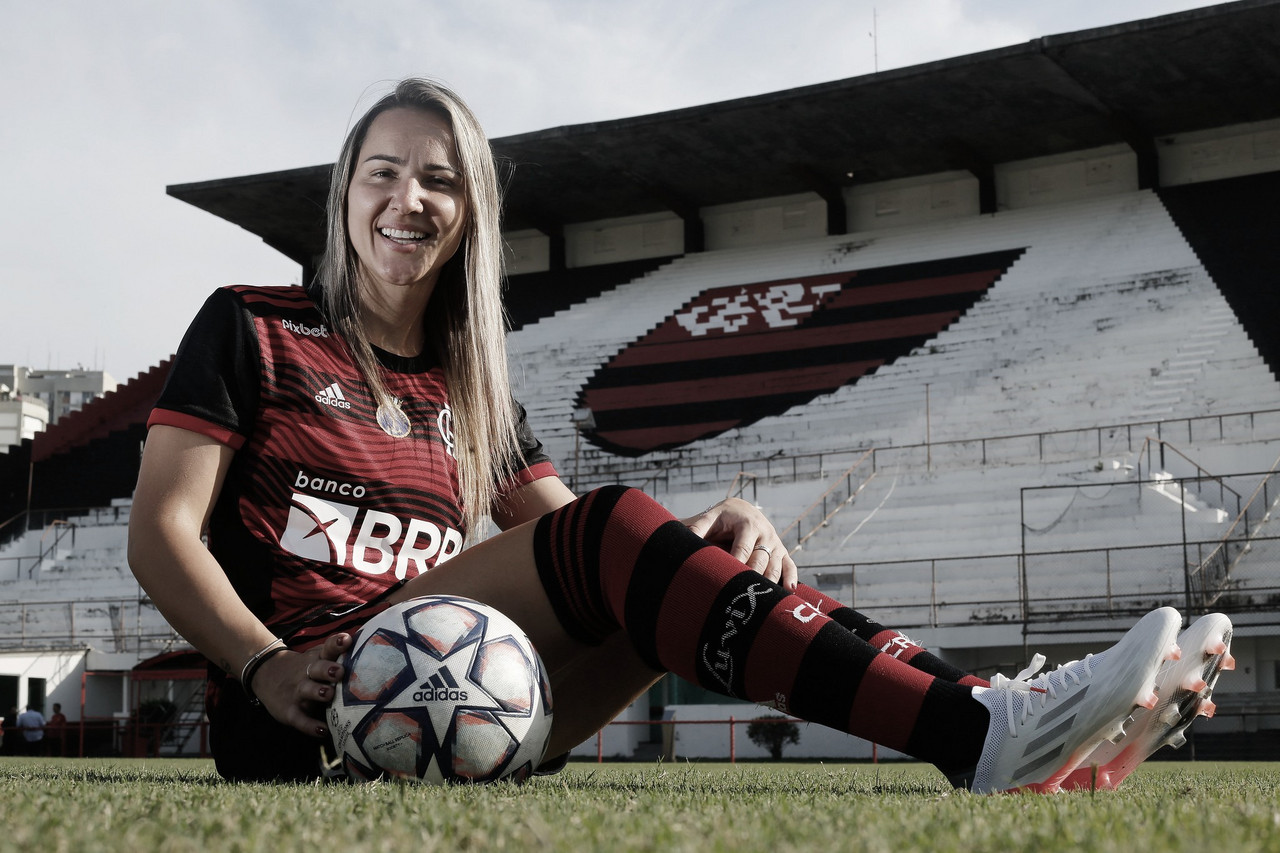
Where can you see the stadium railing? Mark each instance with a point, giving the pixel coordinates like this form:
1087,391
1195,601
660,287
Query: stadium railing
1049,590
676,474
118,623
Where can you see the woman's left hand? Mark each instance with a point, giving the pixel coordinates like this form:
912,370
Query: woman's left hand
742,530
296,687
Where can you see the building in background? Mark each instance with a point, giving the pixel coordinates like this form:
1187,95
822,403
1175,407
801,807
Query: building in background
21,416
33,400
62,391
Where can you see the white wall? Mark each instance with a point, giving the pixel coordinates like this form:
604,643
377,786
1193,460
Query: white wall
1225,152
21,418
1066,177
911,201
605,241
764,221
618,740
61,672
526,251
712,741
610,241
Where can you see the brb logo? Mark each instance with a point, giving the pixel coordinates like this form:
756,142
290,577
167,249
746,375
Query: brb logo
367,540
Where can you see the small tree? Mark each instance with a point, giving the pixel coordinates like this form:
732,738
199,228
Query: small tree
772,733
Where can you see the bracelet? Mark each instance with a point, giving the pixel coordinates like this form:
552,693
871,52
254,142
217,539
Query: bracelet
252,665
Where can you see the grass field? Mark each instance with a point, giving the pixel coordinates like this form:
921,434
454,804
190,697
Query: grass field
140,806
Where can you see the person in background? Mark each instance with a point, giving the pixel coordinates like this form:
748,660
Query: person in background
31,724
56,731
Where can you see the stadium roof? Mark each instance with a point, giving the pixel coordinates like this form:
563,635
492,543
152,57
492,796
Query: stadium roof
1131,83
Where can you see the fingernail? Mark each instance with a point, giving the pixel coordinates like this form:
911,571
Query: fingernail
324,692
333,672
320,730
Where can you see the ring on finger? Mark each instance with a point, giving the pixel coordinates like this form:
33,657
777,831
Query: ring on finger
768,551
308,670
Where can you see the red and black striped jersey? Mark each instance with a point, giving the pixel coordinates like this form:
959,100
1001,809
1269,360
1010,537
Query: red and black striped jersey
322,509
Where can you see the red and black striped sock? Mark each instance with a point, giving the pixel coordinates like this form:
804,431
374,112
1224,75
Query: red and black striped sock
616,559
891,642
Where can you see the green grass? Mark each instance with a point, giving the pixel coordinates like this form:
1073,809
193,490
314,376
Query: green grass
141,806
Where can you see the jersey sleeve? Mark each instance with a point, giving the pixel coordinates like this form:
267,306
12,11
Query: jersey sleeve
212,387
533,463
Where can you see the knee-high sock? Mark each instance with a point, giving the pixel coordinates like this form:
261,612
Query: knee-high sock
616,559
888,640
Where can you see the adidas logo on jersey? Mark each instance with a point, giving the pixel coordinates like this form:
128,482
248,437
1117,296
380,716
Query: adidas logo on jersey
332,396
305,331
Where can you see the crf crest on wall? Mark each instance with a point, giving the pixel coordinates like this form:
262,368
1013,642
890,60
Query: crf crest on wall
733,355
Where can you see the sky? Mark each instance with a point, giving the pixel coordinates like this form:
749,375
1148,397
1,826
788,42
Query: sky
104,105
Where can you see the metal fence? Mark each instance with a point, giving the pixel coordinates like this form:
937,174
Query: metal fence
109,736
58,529
111,624
1058,587
675,473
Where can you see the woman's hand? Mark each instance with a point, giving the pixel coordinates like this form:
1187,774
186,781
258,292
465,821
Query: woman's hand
742,530
296,687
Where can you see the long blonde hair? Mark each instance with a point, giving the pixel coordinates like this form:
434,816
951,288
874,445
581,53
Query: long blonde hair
465,321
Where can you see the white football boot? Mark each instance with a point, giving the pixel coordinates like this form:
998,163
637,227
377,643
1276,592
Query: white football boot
1044,726
1184,687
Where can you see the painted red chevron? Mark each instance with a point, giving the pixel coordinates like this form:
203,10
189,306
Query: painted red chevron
733,355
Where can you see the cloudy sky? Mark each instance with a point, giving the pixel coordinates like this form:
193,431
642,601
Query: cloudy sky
103,105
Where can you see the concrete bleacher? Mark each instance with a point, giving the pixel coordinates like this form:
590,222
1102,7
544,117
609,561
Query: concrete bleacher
87,459
1107,319
1118,330
1258,567
67,584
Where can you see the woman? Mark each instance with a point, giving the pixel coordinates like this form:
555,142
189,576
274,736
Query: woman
337,442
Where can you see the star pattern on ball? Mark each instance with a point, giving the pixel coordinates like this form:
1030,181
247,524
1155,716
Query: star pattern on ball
450,672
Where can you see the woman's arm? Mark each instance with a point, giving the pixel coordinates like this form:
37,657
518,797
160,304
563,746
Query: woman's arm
181,475
531,501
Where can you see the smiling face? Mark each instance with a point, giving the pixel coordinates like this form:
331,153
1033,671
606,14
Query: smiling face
407,201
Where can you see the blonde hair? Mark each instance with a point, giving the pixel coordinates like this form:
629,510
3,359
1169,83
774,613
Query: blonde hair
465,322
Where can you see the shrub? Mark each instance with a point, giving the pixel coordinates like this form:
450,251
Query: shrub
772,733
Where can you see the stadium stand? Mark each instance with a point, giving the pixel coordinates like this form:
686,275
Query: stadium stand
1045,399
1106,319
87,459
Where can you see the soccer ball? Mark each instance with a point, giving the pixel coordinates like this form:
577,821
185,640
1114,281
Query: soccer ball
441,689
